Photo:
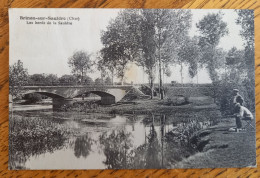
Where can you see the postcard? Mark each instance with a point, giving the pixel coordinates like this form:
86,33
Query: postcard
131,88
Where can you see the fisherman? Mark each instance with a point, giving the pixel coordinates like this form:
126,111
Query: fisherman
237,98
241,112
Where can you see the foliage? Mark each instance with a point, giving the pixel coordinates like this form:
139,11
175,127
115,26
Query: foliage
98,81
32,97
120,45
80,63
52,79
238,68
18,77
146,37
83,146
43,79
212,28
246,20
33,136
162,33
37,79
68,79
108,81
116,148
190,54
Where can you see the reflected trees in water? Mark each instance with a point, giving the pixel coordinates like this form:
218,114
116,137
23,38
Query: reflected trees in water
152,158
83,146
116,147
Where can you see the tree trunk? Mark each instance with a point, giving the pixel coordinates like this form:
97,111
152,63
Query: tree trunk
122,80
160,71
112,77
197,77
152,87
82,77
160,76
181,74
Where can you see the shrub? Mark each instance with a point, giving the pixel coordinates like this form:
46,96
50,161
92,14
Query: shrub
33,97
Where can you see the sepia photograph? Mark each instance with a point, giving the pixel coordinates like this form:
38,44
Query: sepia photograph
131,88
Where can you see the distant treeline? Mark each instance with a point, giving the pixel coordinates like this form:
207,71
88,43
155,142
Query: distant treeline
54,80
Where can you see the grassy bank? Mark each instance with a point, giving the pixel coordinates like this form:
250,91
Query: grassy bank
147,106
223,148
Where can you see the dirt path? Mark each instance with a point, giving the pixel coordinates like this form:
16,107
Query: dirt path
225,149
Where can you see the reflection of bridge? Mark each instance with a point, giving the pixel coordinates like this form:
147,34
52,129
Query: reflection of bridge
64,94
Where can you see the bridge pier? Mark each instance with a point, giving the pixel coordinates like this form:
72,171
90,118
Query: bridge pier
58,103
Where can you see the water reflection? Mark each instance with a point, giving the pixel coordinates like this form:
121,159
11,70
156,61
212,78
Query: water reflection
83,146
116,147
113,142
152,159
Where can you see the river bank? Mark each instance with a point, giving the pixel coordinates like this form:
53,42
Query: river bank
145,106
223,148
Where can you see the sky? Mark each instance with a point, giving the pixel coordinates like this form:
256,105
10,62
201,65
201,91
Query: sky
46,48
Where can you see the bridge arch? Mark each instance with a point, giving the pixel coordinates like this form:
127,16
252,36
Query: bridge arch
106,98
49,94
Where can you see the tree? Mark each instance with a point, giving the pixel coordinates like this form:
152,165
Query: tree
107,62
102,68
212,28
37,79
145,36
190,54
51,79
18,77
80,63
246,20
88,80
108,81
120,45
98,81
32,98
67,80
167,31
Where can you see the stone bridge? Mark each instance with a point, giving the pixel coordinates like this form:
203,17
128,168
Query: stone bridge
64,94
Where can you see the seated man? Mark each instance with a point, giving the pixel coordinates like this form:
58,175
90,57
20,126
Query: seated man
241,112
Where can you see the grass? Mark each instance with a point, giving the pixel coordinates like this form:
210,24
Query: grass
148,106
225,149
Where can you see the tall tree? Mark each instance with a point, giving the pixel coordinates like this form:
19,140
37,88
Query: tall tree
234,65
246,20
169,29
80,63
190,54
212,28
120,45
18,77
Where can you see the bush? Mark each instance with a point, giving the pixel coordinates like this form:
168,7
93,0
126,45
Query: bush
177,100
33,97
224,96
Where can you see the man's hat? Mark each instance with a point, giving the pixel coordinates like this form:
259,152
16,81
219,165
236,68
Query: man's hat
236,90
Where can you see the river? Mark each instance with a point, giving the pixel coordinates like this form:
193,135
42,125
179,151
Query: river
101,141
